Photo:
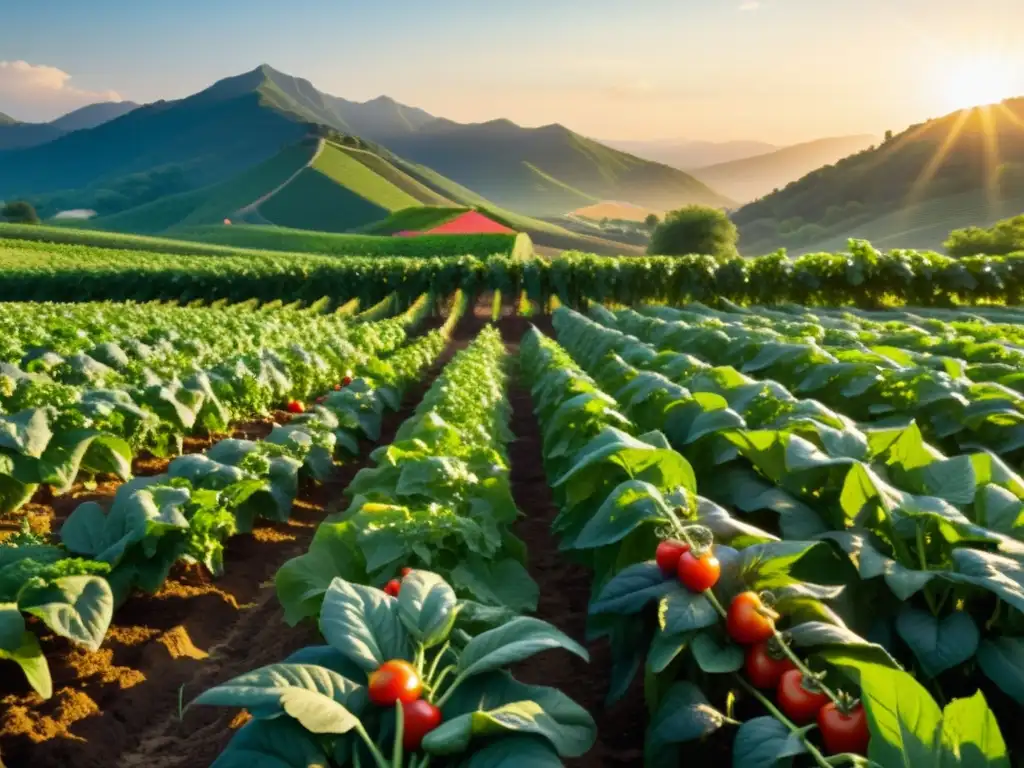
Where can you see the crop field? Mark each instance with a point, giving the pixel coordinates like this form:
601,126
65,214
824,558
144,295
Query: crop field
273,510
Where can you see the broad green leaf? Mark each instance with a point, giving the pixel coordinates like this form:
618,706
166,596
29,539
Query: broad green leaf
279,743
664,649
684,611
715,656
362,622
316,712
427,607
837,642
513,752
19,645
264,691
764,742
76,607
631,504
632,589
1002,660
938,644
970,735
684,714
512,642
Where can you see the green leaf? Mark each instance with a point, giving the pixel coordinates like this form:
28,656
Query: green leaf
427,607
265,692
684,611
837,642
938,644
513,752
303,581
1002,660
715,656
664,649
684,714
631,504
632,589
19,645
569,730
280,743
362,623
764,742
316,712
970,735
512,642
76,607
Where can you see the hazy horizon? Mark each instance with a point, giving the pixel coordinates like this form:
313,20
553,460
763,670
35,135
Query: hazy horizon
777,71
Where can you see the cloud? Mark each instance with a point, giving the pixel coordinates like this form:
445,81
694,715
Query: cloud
750,5
39,92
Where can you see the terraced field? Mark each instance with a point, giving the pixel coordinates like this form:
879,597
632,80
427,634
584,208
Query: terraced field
450,525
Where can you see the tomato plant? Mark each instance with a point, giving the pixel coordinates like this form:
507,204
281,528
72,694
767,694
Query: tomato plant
765,667
800,697
749,620
699,573
667,555
421,717
394,681
844,728
296,406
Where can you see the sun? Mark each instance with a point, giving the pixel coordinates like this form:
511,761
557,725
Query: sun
977,81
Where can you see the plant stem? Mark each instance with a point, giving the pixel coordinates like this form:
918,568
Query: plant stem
420,659
924,567
378,757
396,752
819,758
440,679
455,684
714,601
799,663
437,660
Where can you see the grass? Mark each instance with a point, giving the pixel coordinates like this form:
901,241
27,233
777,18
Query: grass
343,169
413,220
403,181
316,201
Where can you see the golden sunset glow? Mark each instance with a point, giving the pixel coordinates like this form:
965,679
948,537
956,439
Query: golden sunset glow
978,80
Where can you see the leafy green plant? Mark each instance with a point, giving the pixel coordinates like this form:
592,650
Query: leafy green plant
318,707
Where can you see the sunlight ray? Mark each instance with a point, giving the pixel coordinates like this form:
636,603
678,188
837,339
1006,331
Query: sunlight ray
929,171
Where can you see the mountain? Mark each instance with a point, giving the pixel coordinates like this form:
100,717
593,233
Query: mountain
93,115
15,134
753,177
964,168
687,155
547,170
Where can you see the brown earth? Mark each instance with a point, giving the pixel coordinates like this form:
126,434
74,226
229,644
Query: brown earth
120,706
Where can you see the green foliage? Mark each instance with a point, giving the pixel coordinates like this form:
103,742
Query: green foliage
1005,237
19,212
695,229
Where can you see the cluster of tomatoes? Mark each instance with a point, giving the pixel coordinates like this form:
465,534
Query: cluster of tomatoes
392,587
751,623
397,681
297,406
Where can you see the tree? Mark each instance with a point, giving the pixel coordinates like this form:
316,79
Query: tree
19,212
1007,236
695,229
888,136
651,221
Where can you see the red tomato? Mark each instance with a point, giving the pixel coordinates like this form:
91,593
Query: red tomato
393,681
746,620
296,406
699,574
798,703
346,381
392,587
844,732
763,669
667,555
337,387
405,572
421,717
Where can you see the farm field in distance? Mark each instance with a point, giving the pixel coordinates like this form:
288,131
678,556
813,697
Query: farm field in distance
240,484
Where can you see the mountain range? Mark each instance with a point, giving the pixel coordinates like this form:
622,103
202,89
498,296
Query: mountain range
15,134
171,147
688,154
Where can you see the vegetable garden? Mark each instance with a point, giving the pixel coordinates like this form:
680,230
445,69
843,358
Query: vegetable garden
279,513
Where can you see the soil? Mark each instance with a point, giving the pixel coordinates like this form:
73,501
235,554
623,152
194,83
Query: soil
120,706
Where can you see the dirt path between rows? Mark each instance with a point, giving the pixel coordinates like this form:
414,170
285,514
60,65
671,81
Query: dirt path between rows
119,706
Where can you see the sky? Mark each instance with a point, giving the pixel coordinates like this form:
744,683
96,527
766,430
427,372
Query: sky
780,71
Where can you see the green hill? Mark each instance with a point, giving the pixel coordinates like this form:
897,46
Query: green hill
961,169
548,170
752,177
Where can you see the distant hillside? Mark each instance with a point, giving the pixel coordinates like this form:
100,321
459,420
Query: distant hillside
548,170
18,135
754,177
615,211
687,155
93,115
928,179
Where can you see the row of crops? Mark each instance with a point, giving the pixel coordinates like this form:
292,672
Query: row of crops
862,276
803,527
